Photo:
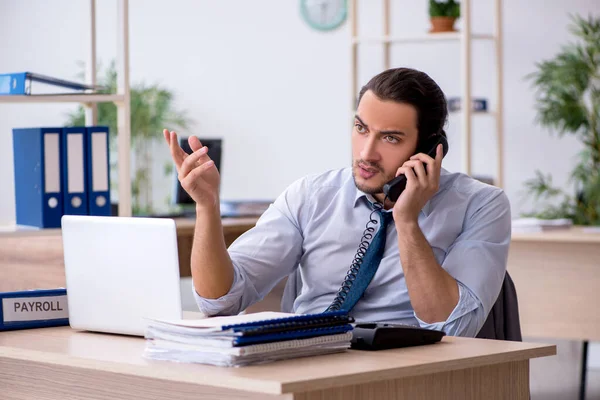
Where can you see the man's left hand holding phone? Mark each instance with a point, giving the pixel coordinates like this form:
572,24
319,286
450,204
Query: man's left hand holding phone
421,184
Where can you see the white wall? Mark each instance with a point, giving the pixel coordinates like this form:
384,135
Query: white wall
278,92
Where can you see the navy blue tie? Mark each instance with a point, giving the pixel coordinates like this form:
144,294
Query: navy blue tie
355,284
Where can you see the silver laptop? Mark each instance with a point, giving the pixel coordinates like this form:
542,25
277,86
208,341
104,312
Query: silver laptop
120,271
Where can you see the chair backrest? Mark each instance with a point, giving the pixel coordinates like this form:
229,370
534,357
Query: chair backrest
502,322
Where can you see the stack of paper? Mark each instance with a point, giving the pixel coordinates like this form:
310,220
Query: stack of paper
527,225
248,339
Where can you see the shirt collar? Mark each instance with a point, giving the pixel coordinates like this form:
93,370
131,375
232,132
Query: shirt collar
361,196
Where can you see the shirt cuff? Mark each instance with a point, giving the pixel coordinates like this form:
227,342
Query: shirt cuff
467,302
228,304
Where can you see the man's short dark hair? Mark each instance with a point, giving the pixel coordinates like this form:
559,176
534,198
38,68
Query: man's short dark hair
409,86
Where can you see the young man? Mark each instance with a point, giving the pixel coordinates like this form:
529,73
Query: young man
443,256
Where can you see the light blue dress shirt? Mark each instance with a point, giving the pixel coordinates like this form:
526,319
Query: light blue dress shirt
316,225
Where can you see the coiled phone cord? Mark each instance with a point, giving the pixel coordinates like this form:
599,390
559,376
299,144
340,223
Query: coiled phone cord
358,259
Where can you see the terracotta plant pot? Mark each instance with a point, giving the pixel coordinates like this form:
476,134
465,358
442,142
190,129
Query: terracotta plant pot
442,24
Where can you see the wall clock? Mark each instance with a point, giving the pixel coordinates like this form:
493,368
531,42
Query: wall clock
324,15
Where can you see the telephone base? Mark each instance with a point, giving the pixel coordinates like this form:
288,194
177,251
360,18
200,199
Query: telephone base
381,336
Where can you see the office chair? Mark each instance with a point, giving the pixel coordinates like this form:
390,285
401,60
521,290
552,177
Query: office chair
503,321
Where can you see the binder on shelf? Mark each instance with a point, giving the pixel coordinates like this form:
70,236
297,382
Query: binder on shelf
34,309
19,83
97,167
37,173
75,198
477,104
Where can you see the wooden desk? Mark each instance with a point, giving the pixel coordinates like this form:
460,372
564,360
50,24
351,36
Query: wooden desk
59,363
557,276
34,259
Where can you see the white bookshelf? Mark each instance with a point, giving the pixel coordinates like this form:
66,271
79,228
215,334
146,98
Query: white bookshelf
465,38
424,38
63,98
89,100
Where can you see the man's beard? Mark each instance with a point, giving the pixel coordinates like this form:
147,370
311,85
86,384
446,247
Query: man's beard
364,188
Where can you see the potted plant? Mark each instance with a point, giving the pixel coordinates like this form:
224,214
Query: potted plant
152,109
568,102
443,14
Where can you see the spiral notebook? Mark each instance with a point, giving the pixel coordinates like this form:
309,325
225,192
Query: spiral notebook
249,329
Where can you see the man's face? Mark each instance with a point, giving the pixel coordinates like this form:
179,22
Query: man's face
384,136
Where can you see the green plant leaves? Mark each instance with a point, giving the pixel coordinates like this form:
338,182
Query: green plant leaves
568,102
152,109
441,8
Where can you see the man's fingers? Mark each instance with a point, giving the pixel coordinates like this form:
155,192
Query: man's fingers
167,136
434,166
193,161
424,158
195,143
408,172
177,152
419,170
193,179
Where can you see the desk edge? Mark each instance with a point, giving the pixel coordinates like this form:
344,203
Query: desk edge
266,386
58,360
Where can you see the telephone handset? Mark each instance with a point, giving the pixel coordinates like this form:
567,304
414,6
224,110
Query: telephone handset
394,188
